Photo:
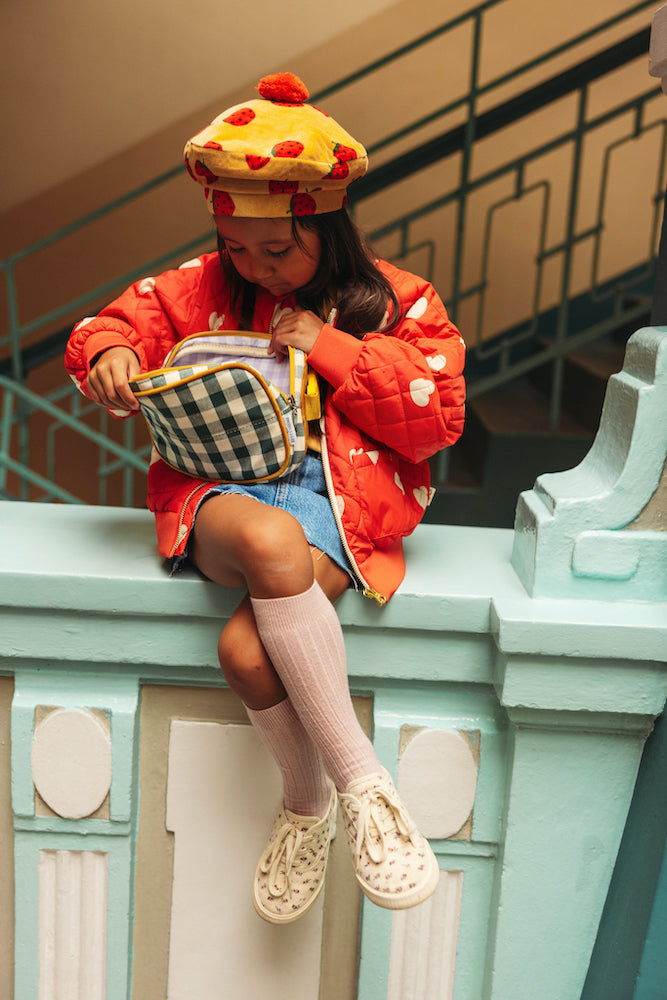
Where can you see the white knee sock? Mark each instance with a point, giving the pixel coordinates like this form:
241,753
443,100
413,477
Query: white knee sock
306,785
304,641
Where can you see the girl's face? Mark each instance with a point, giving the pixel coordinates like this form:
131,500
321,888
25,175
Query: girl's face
265,252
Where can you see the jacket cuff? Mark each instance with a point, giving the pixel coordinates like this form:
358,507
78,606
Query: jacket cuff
97,343
334,354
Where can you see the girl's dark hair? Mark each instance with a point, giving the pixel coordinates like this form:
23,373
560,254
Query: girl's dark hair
347,277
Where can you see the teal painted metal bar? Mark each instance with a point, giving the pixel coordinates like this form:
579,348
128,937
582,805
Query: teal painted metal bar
562,324
404,50
461,139
110,286
464,182
31,403
39,403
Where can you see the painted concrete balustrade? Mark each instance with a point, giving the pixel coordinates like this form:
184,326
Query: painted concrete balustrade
509,686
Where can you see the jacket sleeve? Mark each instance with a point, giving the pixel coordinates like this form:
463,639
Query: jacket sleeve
405,388
149,317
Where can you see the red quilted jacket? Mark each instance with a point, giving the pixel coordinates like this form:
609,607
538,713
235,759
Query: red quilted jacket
394,400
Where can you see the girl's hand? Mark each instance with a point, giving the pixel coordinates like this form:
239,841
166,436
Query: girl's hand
108,378
295,329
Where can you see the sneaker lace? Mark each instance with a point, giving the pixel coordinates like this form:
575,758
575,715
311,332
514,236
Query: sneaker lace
284,850
379,812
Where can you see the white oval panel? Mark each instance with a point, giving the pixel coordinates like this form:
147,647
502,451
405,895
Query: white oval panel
71,762
437,777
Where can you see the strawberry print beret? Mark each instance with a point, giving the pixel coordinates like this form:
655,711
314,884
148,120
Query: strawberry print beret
275,156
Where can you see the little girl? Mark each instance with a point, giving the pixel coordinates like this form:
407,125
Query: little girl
290,262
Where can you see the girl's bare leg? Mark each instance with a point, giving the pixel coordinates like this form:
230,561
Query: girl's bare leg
251,675
243,659
239,541
236,540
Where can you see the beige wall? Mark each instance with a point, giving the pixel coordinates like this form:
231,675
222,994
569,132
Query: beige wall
148,140
89,79
109,92
141,110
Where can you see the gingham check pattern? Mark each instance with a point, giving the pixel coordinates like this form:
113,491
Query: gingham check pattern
220,423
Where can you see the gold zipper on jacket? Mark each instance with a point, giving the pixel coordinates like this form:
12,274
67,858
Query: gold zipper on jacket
368,591
181,518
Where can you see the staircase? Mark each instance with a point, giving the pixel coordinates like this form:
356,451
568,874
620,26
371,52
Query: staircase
527,239
508,439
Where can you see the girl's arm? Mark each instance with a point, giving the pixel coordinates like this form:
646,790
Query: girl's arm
145,322
404,389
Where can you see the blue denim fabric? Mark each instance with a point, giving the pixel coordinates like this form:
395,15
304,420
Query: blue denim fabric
303,493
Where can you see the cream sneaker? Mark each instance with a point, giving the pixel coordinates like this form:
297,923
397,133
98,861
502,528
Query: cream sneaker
290,873
394,864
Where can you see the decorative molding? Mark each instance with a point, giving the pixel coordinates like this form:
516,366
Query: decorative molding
71,762
423,944
72,925
571,530
437,779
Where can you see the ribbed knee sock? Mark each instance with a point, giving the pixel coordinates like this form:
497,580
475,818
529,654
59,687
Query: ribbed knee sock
306,785
304,641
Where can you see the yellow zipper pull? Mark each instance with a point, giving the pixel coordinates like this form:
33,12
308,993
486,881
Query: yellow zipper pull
374,596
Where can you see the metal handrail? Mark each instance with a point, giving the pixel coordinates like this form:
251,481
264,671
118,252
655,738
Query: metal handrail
15,391
365,187
460,139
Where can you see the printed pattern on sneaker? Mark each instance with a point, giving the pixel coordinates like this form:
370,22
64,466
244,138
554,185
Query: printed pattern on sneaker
393,862
291,872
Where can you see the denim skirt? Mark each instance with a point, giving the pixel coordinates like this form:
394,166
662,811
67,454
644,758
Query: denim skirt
303,494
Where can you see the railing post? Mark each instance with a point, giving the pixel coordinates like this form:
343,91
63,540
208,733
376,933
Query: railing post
574,531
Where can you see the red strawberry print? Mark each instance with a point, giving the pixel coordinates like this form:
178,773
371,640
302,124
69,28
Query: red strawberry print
344,153
212,145
283,187
189,169
222,203
339,170
257,162
303,204
203,171
290,148
241,117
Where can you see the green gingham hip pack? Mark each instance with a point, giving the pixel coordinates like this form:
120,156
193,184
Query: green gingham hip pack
223,409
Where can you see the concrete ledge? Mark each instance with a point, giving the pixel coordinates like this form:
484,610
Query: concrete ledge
552,698
65,560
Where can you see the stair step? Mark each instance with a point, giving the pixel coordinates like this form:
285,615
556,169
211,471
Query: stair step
506,444
600,359
587,370
521,408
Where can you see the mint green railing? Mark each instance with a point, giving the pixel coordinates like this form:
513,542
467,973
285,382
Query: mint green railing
491,362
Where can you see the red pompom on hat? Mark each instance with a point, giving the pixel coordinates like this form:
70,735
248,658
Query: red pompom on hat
283,88
275,155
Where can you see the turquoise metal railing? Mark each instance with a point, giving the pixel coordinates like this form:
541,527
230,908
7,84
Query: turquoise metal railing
498,359
13,392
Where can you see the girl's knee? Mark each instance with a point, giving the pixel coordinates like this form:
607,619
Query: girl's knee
245,665
238,650
238,540
272,533
274,555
